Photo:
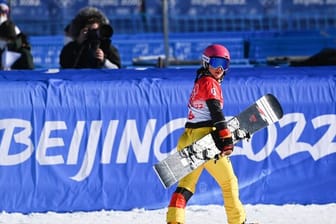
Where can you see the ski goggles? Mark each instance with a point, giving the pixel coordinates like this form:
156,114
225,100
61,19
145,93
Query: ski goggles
217,62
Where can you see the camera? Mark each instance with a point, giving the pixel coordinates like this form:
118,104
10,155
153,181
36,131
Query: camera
100,36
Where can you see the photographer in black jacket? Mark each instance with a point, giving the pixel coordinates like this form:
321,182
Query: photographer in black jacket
13,43
91,46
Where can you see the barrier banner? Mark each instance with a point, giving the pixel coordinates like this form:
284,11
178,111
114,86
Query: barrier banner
84,140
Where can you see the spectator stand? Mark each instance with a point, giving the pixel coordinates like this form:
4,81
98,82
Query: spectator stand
253,30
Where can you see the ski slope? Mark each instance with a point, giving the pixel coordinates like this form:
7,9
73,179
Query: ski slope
263,214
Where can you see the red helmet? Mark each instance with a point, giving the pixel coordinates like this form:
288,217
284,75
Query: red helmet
215,51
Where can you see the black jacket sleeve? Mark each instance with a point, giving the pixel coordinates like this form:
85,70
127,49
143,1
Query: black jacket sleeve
68,55
216,113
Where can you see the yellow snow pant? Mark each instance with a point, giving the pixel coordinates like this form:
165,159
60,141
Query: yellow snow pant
221,171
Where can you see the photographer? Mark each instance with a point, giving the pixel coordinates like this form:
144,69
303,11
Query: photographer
91,46
14,48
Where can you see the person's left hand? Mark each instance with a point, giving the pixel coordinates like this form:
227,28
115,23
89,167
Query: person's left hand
227,142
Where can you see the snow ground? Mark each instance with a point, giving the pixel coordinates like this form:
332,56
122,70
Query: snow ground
263,214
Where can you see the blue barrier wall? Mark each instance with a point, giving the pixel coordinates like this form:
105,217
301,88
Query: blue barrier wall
83,140
245,47
184,47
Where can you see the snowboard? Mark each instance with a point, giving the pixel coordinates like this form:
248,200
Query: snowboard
263,112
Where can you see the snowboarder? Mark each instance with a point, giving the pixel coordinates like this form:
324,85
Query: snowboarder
205,114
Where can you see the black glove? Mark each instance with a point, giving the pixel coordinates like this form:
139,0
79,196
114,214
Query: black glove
223,138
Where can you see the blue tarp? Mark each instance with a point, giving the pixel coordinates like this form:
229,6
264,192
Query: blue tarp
83,140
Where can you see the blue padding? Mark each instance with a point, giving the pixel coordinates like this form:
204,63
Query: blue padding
46,51
187,47
85,140
261,48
